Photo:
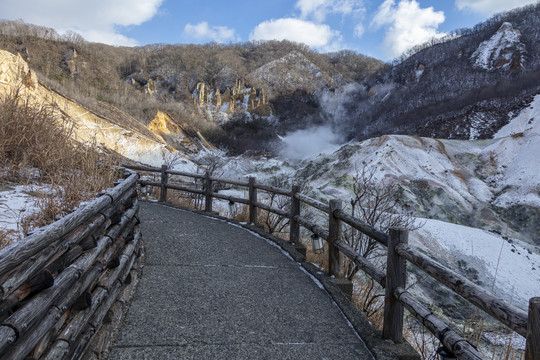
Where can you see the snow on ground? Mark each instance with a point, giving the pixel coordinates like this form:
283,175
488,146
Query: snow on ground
516,154
511,265
16,203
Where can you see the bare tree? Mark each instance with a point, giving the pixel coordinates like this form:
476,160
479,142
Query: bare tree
374,202
212,163
273,223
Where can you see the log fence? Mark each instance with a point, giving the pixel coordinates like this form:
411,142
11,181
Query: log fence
397,298
60,284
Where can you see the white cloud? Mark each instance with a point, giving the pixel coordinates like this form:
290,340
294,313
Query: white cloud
202,31
95,20
359,30
490,7
319,9
406,25
319,36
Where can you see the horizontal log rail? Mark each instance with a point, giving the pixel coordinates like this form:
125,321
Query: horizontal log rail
397,297
229,181
185,188
369,230
50,277
450,339
272,209
509,315
311,226
273,190
230,198
313,203
186,174
365,265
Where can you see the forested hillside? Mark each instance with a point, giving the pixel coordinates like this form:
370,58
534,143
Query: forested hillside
463,87
244,96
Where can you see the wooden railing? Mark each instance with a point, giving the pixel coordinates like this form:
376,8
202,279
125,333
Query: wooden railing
62,286
397,298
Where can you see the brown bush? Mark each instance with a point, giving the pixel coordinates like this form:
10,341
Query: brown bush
38,146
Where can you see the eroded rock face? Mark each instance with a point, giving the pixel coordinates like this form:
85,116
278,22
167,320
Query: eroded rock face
503,51
14,71
128,141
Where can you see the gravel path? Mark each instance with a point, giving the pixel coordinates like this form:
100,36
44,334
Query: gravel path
211,290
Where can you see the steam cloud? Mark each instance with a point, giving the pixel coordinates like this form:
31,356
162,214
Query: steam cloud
306,144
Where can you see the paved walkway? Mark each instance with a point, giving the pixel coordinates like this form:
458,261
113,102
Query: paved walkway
211,290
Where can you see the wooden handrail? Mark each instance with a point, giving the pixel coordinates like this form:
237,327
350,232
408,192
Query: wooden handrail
272,189
365,265
450,339
49,277
509,315
363,227
232,182
230,198
313,203
311,226
186,174
272,209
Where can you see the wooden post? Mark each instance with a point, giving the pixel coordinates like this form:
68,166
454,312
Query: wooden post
532,350
294,234
334,233
252,200
164,180
207,193
396,274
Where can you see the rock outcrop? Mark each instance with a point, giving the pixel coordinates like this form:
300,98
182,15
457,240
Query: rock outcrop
290,73
233,99
171,133
503,51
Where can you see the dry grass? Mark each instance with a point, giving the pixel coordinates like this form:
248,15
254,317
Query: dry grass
183,199
241,213
38,146
5,238
368,296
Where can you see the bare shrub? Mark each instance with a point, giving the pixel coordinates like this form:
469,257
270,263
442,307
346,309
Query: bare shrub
241,214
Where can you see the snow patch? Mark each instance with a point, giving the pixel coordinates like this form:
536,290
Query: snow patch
16,204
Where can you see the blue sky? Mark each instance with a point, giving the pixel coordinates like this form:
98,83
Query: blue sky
383,29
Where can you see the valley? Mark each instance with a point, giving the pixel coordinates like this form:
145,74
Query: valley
453,127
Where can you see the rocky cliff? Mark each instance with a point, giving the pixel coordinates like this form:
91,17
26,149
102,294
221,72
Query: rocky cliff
129,139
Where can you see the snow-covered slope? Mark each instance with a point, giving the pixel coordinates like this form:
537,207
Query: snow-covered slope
508,268
465,182
517,180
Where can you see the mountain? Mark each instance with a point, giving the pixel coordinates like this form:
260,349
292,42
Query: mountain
243,97
463,87
202,86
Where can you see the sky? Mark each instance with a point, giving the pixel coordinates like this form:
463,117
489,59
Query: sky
382,29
